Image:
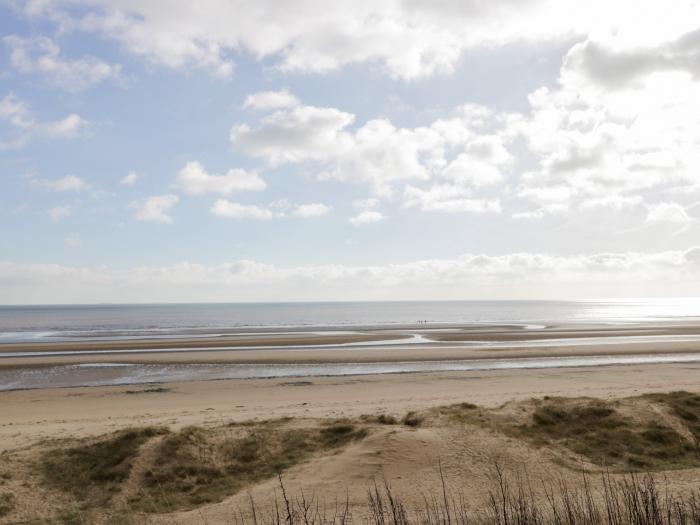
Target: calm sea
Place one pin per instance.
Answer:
(21, 323)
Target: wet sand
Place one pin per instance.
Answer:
(364, 352)
(270, 339)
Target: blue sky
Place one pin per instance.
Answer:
(224, 151)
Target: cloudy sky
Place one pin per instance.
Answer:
(234, 150)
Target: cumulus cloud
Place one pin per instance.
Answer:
(312, 210)
(461, 149)
(515, 275)
(409, 39)
(17, 115)
(295, 135)
(620, 127)
(40, 55)
(275, 210)
(130, 178)
(367, 217)
(155, 209)
(194, 179)
(271, 100)
(449, 199)
(236, 210)
(67, 183)
(668, 212)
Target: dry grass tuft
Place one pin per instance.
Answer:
(413, 419)
(381, 419)
(596, 430)
(93, 472)
(685, 405)
(195, 466)
(7, 503)
(631, 500)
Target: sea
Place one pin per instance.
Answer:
(117, 321)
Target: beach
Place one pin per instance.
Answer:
(508, 362)
(396, 394)
(31, 415)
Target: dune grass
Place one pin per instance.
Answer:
(193, 467)
(92, 472)
(597, 431)
(186, 469)
(631, 500)
(684, 405)
(7, 503)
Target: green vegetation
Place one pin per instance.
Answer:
(412, 419)
(596, 430)
(685, 405)
(381, 419)
(93, 472)
(194, 466)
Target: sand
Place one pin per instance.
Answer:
(405, 456)
(26, 416)
(449, 343)
(30, 415)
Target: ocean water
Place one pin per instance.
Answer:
(27, 323)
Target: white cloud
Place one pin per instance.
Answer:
(14, 111)
(449, 199)
(130, 178)
(67, 183)
(71, 126)
(19, 117)
(408, 38)
(299, 134)
(235, 210)
(614, 202)
(271, 100)
(366, 217)
(194, 179)
(509, 276)
(620, 128)
(312, 210)
(41, 55)
(59, 212)
(155, 209)
(378, 153)
(275, 210)
(668, 212)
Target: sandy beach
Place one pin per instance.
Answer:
(32, 421)
(30, 415)
(96, 409)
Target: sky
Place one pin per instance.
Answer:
(236, 150)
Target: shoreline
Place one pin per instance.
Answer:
(30, 415)
(93, 375)
(331, 335)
